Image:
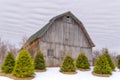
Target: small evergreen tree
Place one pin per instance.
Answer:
(68, 65)
(39, 61)
(118, 61)
(82, 62)
(102, 66)
(8, 63)
(24, 66)
(106, 53)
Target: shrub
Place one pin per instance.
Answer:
(39, 61)
(24, 66)
(8, 64)
(68, 65)
(102, 66)
(106, 53)
(82, 62)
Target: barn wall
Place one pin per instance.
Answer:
(61, 51)
(64, 38)
(66, 33)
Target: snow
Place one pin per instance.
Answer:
(4, 78)
(54, 74)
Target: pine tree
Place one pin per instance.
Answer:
(68, 65)
(102, 66)
(118, 61)
(8, 63)
(82, 62)
(24, 66)
(106, 53)
(39, 61)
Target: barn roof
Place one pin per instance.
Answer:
(41, 32)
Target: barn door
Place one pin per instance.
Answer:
(50, 57)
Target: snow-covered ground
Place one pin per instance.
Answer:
(54, 74)
(4, 78)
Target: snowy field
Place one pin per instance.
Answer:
(4, 78)
(54, 74)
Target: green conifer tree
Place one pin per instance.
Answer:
(82, 62)
(118, 61)
(102, 66)
(8, 64)
(106, 53)
(39, 61)
(24, 66)
(68, 65)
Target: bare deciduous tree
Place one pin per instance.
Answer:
(13, 49)
(24, 39)
(96, 53)
(113, 56)
(5, 46)
(3, 50)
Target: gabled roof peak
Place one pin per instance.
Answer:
(47, 26)
(60, 15)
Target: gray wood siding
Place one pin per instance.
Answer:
(65, 39)
(66, 33)
(61, 51)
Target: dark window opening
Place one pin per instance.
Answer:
(68, 19)
(49, 52)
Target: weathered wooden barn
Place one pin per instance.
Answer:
(63, 35)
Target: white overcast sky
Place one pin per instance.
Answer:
(101, 18)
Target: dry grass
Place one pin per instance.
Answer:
(69, 72)
(114, 70)
(84, 69)
(39, 70)
(15, 78)
(101, 75)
